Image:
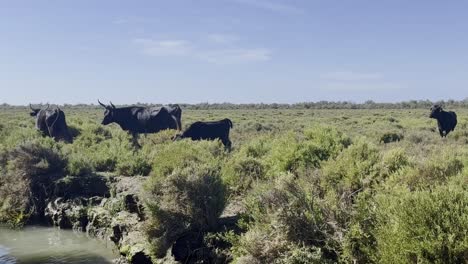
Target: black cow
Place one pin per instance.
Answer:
(137, 119)
(52, 123)
(209, 130)
(446, 121)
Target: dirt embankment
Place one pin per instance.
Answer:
(109, 208)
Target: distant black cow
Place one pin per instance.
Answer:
(209, 130)
(52, 123)
(446, 121)
(137, 119)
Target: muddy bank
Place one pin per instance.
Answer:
(105, 207)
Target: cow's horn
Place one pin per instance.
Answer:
(30, 106)
(103, 105)
(47, 106)
(113, 106)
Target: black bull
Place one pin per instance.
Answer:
(446, 120)
(209, 131)
(137, 119)
(52, 123)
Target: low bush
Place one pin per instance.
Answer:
(281, 219)
(436, 170)
(422, 226)
(184, 153)
(185, 192)
(240, 173)
(79, 164)
(27, 179)
(390, 137)
(134, 164)
(356, 168)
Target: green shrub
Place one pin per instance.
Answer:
(390, 137)
(423, 226)
(240, 173)
(98, 149)
(185, 153)
(27, 179)
(357, 167)
(434, 171)
(281, 218)
(36, 158)
(303, 255)
(394, 160)
(79, 164)
(190, 198)
(135, 164)
(289, 153)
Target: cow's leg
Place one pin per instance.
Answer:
(135, 140)
(441, 132)
(227, 143)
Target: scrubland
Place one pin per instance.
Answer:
(299, 186)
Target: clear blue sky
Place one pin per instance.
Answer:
(239, 51)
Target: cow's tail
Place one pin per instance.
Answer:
(455, 121)
(177, 113)
(176, 122)
(51, 127)
(229, 122)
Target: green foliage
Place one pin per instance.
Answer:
(79, 164)
(35, 158)
(422, 226)
(354, 169)
(185, 153)
(27, 174)
(241, 172)
(131, 165)
(389, 137)
(280, 220)
(394, 161)
(189, 198)
(305, 193)
(435, 171)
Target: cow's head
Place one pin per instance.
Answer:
(108, 114)
(435, 111)
(35, 111)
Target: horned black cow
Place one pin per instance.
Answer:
(52, 123)
(209, 130)
(137, 119)
(446, 120)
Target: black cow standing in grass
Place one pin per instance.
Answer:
(446, 121)
(209, 130)
(137, 119)
(52, 123)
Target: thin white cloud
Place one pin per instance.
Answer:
(221, 55)
(164, 47)
(233, 56)
(223, 38)
(360, 87)
(351, 76)
(271, 6)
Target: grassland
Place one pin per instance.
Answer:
(302, 185)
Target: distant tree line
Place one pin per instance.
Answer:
(412, 104)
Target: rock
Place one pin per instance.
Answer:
(138, 255)
(99, 222)
(121, 260)
(67, 214)
(85, 204)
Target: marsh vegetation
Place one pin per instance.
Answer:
(300, 185)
